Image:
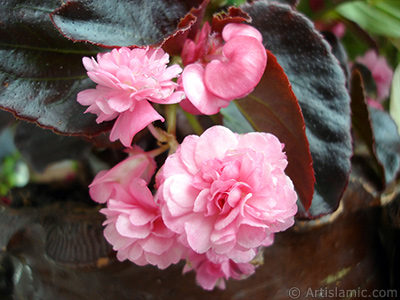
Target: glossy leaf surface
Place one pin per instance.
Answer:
(122, 23)
(319, 85)
(40, 71)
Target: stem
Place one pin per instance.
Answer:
(165, 140)
(157, 134)
(171, 118)
(158, 151)
(198, 129)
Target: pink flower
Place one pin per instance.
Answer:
(381, 72)
(212, 59)
(134, 225)
(136, 230)
(107, 183)
(227, 193)
(212, 270)
(127, 80)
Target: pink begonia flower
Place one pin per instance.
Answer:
(381, 72)
(221, 67)
(107, 182)
(128, 79)
(212, 269)
(134, 225)
(227, 193)
(135, 228)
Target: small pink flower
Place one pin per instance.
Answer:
(136, 230)
(134, 225)
(128, 79)
(107, 183)
(381, 72)
(221, 67)
(212, 270)
(227, 193)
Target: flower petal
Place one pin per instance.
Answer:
(131, 122)
(214, 143)
(127, 229)
(197, 93)
(198, 230)
(233, 30)
(247, 63)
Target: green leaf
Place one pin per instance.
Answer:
(314, 9)
(319, 85)
(381, 18)
(395, 98)
(272, 107)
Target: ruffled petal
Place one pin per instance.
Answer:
(131, 122)
(214, 143)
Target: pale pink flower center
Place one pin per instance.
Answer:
(222, 179)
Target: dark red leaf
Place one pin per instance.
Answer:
(111, 23)
(273, 107)
(319, 85)
(40, 71)
(233, 15)
(187, 28)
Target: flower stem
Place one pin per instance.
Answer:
(165, 139)
(156, 133)
(171, 118)
(198, 129)
(158, 151)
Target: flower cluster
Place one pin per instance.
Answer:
(129, 80)
(219, 196)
